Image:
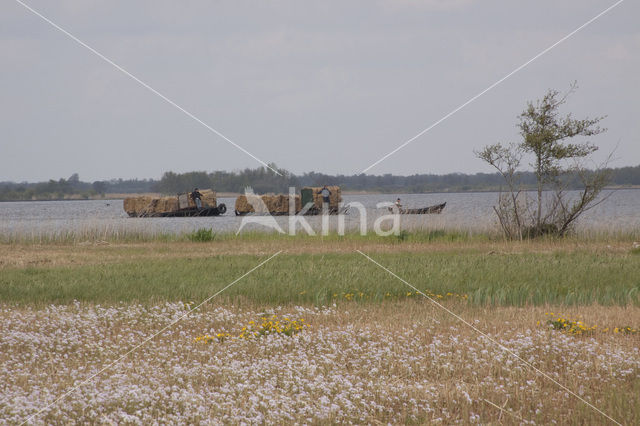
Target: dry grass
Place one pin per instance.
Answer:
(395, 362)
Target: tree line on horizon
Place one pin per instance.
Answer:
(264, 180)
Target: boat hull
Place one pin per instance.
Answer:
(313, 211)
(191, 212)
(435, 209)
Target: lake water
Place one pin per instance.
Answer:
(467, 211)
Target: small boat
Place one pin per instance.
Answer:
(436, 209)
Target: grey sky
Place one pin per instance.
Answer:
(324, 86)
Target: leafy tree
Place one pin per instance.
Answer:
(555, 162)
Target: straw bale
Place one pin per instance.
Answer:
(142, 203)
(242, 205)
(135, 205)
(250, 204)
(272, 204)
(282, 205)
(149, 208)
(129, 205)
(334, 199)
(167, 204)
(209, 198)
(159, 205)
(265, 206)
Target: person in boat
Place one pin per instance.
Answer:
(197, 198)
(398, 204)
(325, 195)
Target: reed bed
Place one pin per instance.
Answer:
(132, 231)
(90, 233)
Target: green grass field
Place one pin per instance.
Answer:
(508, 279)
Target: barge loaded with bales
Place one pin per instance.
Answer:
(309, 202)
(181, 205)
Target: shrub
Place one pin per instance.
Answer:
(557, 166)
(202, 235)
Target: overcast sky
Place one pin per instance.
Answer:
(324, 86)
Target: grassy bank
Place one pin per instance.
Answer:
(375, 351)
(487, 277)
(115, 235)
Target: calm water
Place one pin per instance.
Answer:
(621, 211)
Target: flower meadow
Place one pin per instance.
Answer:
(398, 362)
(269, 325)
(577, 327)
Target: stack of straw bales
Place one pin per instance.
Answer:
(150, 206)
(271, 204)
(244, 206)
(208, 198)
(334, 199)
(134, 205)
(166, 204)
